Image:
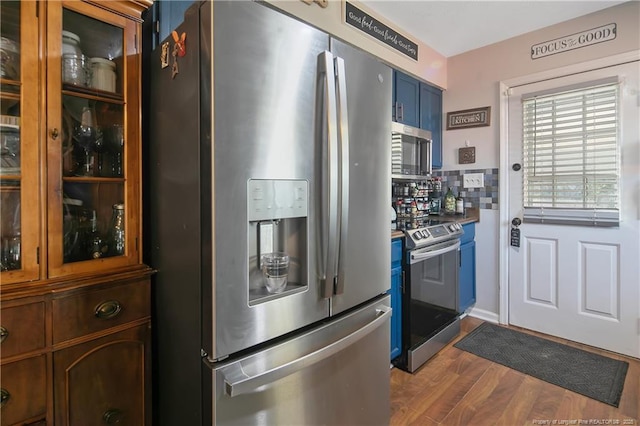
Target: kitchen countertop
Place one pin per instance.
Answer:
(472, 214)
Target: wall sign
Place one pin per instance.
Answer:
(476, 117)
(574, 41)
(376, 29)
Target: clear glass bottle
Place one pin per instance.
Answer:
(449, 202)
(116, 231)
(95, 243)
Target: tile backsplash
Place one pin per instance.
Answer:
(482, 198)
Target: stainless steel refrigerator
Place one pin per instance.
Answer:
(271, 137)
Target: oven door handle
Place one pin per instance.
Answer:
(419, 255)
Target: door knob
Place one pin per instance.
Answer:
(516, 222)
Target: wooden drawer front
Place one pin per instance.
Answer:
(90, 312)
(22, 329)
(24, 390)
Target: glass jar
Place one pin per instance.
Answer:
(9, 59)
(70, 44)
(103, 74)
(449, 202)
(116, 231)
(74, 69)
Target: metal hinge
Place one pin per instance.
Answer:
(158, 26)
(135, 40)
(136, 243)
(38, 255)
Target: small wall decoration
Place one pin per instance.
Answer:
(464, 119)
(467, 155)
(574, 41)
(376, 29)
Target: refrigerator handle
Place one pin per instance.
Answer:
(343, 139)
(238, 382)
(329, 191)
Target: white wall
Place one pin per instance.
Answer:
(431, 65)
(473, 81)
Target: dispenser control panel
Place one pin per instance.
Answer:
(277, 199)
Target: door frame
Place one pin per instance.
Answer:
(503, 180)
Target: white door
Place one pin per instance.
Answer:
(580, 282)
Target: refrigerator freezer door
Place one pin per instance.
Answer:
(264, 127)
(335, 374)
(365, 251)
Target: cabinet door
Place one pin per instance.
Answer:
(406, 99)
(93, 143)
(467, 275)
(19, 147)
(431, 119)
(396, 315)
(103, 381)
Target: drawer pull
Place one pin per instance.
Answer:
(4, 396)
(108, 309)
(4, 333)
(113, 416)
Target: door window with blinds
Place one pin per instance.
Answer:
(571, 155)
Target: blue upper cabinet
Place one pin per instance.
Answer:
(418, 104)
(431, 119)
(406, 99)
(170, 15)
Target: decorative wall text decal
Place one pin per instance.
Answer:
(376, 29)
(574, 41)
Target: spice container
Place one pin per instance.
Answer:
(103, 74)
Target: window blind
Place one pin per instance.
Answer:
(571, 159)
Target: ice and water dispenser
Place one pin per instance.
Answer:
(277, 237)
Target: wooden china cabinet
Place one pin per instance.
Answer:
(74, 293)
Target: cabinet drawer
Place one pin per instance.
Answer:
(24, 391)
(22, 329)
(92, 311)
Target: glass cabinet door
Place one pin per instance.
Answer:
(19, 143)
(93, 121)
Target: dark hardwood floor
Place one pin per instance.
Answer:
(458, 388)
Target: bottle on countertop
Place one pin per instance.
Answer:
(449, 202)
(459, 205)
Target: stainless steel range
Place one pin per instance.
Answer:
(430, 318)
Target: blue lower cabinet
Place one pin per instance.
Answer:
(467, 288)
(396, 297)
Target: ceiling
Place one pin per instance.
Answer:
(455, 26)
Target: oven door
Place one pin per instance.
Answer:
(434, 274)
(432, 319)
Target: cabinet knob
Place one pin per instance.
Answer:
(55, 133)
(113, 416)
(4, 396)
(4, 333)
(108, 309)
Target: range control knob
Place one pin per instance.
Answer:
(452, 228)
(417, 235)
(425, 233)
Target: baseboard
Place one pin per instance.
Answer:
(485, 315)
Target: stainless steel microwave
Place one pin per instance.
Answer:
(410, 152)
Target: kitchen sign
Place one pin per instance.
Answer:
(476, 117)
(376, 29)
(574, 41)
